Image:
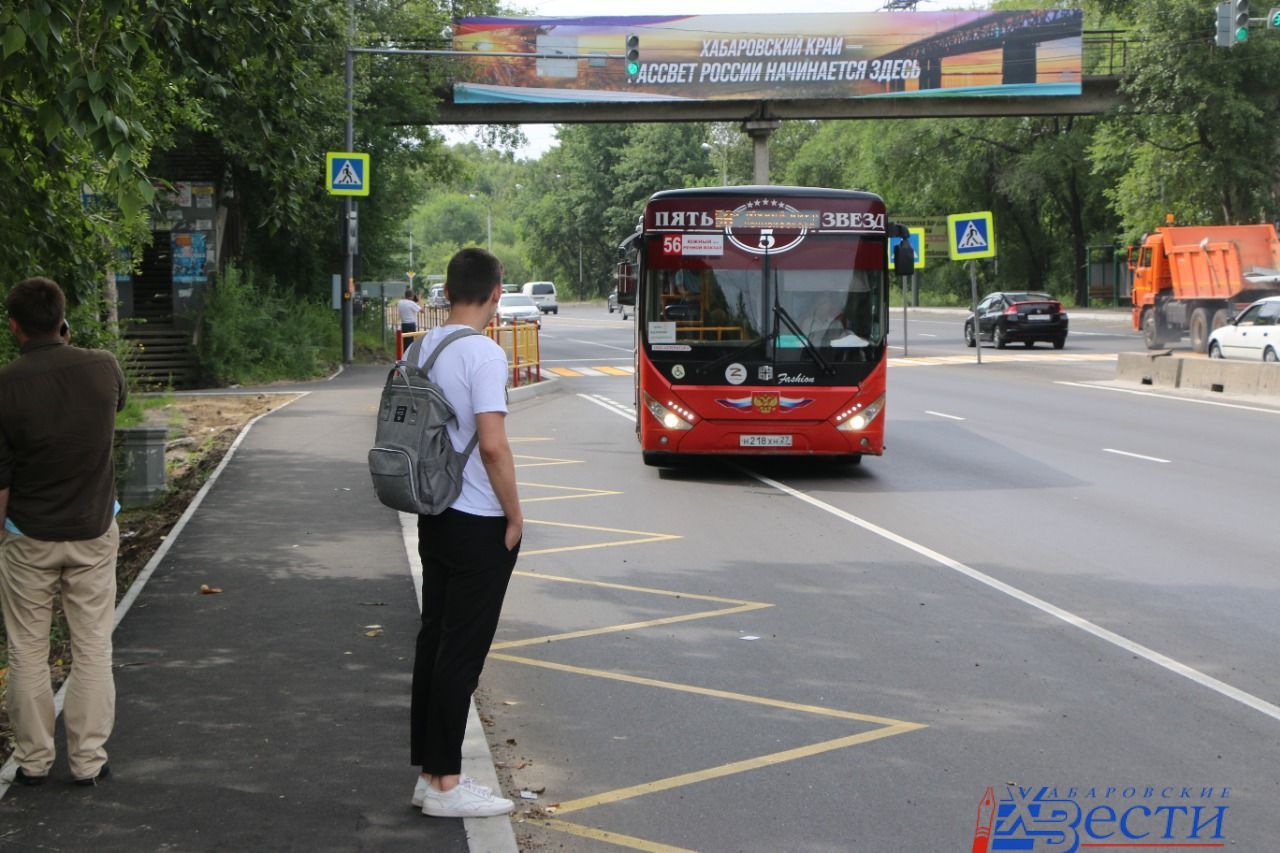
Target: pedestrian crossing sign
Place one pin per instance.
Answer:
(971, 236)
(348, 173)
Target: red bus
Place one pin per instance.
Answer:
(762, 317)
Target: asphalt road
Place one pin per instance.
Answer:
(1044, 582)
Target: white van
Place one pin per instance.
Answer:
(544, 294)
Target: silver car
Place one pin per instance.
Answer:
(517, 306)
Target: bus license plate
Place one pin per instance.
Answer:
(764, 441)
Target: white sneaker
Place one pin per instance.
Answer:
(422, 785)
(464, 801)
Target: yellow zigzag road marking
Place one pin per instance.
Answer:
(582, 493)
(645, 537)
(542, 461)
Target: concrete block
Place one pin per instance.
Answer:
(1227, 377)
(1269, 380)
(1144, 369)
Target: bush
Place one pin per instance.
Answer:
(258, 332)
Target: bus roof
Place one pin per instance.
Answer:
(756, 190)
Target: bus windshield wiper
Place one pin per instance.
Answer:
(732, 354)
(804, 339)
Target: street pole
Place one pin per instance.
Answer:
(904, 314)
(348, 204)
(581, 292)
(973, 284)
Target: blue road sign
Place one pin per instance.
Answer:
(917, 247)
(971, 235)
(348, 173)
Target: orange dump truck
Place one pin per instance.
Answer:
(1190, 280)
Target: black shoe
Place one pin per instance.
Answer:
(102, 776)
(30, 781)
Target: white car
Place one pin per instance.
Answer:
(543, 293)
(517, 306)
(1253, 334)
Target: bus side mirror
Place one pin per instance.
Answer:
(625, 276)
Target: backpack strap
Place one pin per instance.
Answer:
(431, 360)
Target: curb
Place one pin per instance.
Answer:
(548, 385)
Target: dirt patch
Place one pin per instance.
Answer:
(201, 430)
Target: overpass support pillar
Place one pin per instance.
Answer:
(759, 130)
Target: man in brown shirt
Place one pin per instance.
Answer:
(57, 514)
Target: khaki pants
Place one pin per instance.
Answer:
(31, 571)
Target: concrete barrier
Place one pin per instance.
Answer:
(1158, 370)
(1220, 375)
(1269, 380)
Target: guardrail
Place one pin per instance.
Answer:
(519, 341)
(1164, 370)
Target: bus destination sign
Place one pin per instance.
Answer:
(780, 217)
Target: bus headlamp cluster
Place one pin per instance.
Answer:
(671, 416)
(859, 417)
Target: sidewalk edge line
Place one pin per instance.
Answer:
(135, 589)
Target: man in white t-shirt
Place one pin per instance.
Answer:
(468, 551)
(409, 310)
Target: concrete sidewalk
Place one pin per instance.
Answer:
(266, 717)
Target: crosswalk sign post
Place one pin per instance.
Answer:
(347, 173)
(972, 236)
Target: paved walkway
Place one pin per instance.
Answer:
(266, 717)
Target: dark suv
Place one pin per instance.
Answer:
(1018, 316)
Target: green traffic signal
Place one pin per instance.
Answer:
(633, 55)
(1273, 18)
(1242, 34)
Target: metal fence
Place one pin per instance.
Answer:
(519, 341)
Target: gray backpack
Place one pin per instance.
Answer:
(413, 463)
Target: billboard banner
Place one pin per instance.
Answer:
(770, 57)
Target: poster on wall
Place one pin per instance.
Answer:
(762, 57)
(189, 257)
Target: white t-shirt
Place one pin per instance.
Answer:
(408, 311)
(472, 372)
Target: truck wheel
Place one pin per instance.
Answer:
(998, 337)
(1200, 329)
(1151, 329)
(1221, 317)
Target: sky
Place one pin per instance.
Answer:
(542, 136)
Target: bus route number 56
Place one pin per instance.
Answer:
(671, 245)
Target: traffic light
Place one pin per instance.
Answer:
(1225, 37)
(633, 55)
(1273, 18)
(1240, 20)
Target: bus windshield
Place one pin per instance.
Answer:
(831, 288)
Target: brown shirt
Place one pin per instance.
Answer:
(57, 421)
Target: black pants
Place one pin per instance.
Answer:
(465, 570)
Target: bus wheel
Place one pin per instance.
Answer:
(854, 459)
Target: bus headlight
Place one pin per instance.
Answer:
(671, 416)
(859, 417)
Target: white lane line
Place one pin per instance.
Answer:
(943, 415)
(1241, 406)
(571, 360)
(1135, 455)
(598, 344)
(1176, 667)
(927, 335)
(610, 405)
